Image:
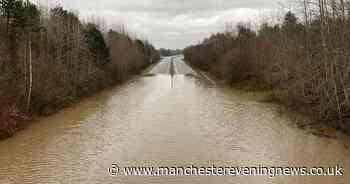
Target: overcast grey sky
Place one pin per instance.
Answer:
(173, 23)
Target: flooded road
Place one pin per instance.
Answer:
(180, 67)
(150, 122)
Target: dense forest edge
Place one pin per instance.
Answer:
(50, 59)
(169, 52)
(304, 60)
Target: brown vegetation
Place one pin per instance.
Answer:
(49, 59)
(304, 60)
(11, 121)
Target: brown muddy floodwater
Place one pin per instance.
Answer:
(151, 122)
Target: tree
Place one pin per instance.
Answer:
(27, 22)
(291, 25)
(7, 10)
(22, 22)
(97, 44)
(245, 32)
(290, 19)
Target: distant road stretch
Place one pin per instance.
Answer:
(181, 68)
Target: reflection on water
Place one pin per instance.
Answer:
(147, 122)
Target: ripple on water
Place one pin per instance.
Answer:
(150, 122)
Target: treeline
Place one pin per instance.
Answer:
(50, 58)
(305, 60)
(169, 52)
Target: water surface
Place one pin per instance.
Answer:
(152, 121)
